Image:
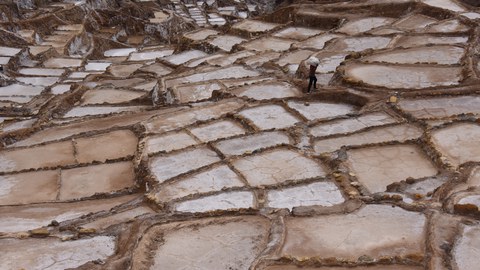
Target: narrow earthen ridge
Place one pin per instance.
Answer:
(181, 134)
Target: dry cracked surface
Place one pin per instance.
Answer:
(178, 134)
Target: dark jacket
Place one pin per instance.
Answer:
(312, 70)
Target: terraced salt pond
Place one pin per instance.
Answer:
(351, 125)
(226, 43)
(215, 179)
(377, 167)
(399, 133)
(239, 241)
(414, 41)
(458, 142)
(271, 43)
(297, 33)
(364, 25)
(179, 134)
(55, 253)
(225, 201)
(274, 164)
(442, 55)
(191, 93)
(270, 116)
(349, 233)
(268, 91)
(254, 27)
(441, 107)
(359, 44)
(404, 76)
(109, 96)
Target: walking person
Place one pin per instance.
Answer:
(313, 62)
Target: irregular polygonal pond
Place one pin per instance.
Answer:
(317, 42)
(119, 52)
(295, 57)
(357, 44)
(443, 55)
(415, 41)
(269, 116)
(320, 110)
(214, 179)
(183, 57)
(465, 252)
(441, 107)
(98, 110)
(157, 69)
(277, 166)
(38, 81)
(109, 96)
(414, 22)
(447, 26)
(297, 33)
(387, 134)
(36, 50)
(425, 187)
(186, 117)
(351, 124)
(375, 231)
(330, 61)
(64, 131)
(118, 218)
(29, 217)
(190, 93)
(229, 59)
(119, 70)
(21, 90)
(226, 42)
(201, 245)
(62, 62)
(471, 15)
(259, 59)
(86, 181)
(445, 4)
(97, 66)
(321, 193)
(377, 167)
(19, 125)
(4, 60)
(217, 130)
(149, 55)
(224, 201)
(201, 34)
(166, 167)
(108, 146)
(218, 74)
(364, 25)
(42, 71)
(254, 27)
(51, 253)
(460, 142)
(52, 155)
(169, 142)
(405, 77)
(8, 51)
(269, 43)
(198, 61)
(251, 143)
(268, 91)
(30, 187)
